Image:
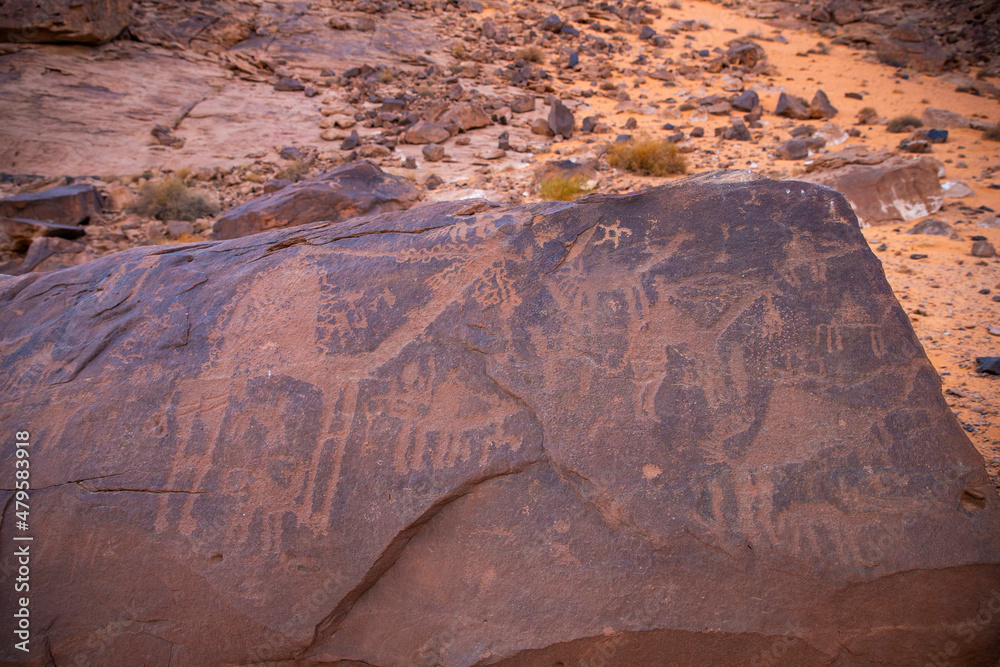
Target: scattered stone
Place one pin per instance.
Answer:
(631, 124)
(869, 116)
(165, 137)
(793, 149)
(351, 142)
(410, 162)
(490, 154)
(956, 190)
(466, 116)
(522, 104)
(830, 134)
(820, 106)
(698, 132)
(932, 117)
(918, 255)
(561, 120)
(289, 85)
(790, 106)
(910, 45)
(983, 249)
(178, 228)
(746, 101)
(290, 153)
(433, 152)
(433, 182)
(551, 23)
(746, 54)
(347, 191)
(915, 144)
(845, 11)
(738, 131)
(932, 227)
(990, 365)
(426, 132)
(63, 205)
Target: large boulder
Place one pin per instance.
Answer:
(886, 192)
(345, 192)
(63, 205)
(83, 21)
(686, 426)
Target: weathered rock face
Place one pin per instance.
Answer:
(84, 21)
(888, 191)
(687, 426)
(345, 192)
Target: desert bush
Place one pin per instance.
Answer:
(295, 170)
(563, 188)
(687, 106)
(903, 123)
(647, 156)
(992, 133)
(675, 4)
(532, 54)
(608, 86)
(171, 199)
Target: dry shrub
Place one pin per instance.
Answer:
(992, 133)
(647, 156)
(532, 54)
(295, 170)
(903, 123)
(561, 188)
(171, 199)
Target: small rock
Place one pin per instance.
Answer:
(956, 189)
(631, 124)
(351, 142)
(522, 104)
(918, 255)
(989, 365)
(426, 132)
(433, 182)
(288, 85)
(932, 227)
(820, 106)
(790, 106)
(748, 100)
(983, 249)
(433, 152)
(290, 153)
(165, 137)
(915, 144)
(551, 23)
(588, 124)
(793, 149)
(936, 136)
(561, 119)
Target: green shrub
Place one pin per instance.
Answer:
(903, 123)
(171, 199)
(647, 157)
(563, 188)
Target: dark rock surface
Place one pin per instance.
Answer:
(561, 120)
(345, 192)
(63, 205)
(686, 426)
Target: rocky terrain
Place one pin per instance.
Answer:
(690, 425)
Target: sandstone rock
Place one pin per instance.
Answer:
(466, 116)
(289, 85)
(956, 190)
(345, 192)
(892, 191)
(165, 137)
(932, 117)
(687, 426)
(426, 132)
(791, 106)
(983, 249)
(83, 21)
(63, 205)
(561, 119)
